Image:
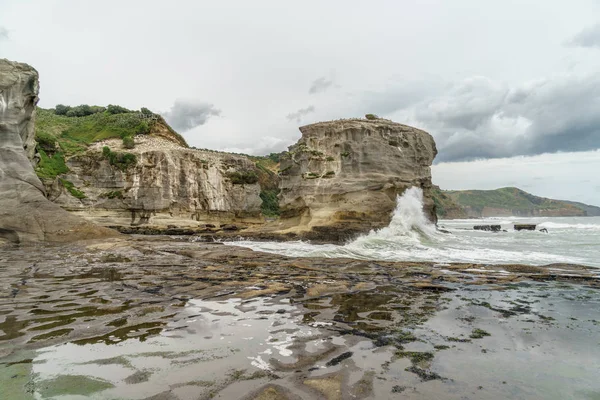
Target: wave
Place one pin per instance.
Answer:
(558, 225)
(410, 236)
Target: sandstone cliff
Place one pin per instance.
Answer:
(343, 177)
(165, 184)
(25, 213)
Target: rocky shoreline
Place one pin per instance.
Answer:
(139, 289)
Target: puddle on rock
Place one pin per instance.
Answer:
(209, 346)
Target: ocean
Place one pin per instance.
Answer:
(412, 237)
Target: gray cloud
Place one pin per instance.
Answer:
(589, 37)
(320, 85)
(479, 118)
(188, 114)
(298, 115)
(3, 33)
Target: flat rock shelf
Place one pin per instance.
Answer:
(165, 318)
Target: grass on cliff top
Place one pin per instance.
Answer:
(74, 134)
(508, 198)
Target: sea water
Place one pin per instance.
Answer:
(412, 237)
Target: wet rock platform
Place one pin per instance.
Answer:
(166, 318)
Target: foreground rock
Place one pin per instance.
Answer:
(170, 319)
(343, 177)
(25, 213)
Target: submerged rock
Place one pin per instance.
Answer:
(343, 177)
(489, 228)
(25, 213)
(525, 227)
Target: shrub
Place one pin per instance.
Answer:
(46, 142)
(72, 189)
(106, 151)
(371, 117)
(142, 128)
(243, 177)
(330, 158)
(119, 160)
(270, 203)
(61, 109)
(114, 109)
(275, 157)
(146, 111)
(128, 142)
(345, 154)
(51, 167)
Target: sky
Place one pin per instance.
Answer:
(510, 89)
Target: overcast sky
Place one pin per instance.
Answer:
(509, 89)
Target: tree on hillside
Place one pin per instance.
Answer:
(61, 109)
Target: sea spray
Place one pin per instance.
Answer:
(409, 225)
(411, 236)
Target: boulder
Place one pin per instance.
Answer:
(490, 228)
(525, 227)
(25, 213)
(343, 177)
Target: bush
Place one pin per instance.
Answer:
(270, 203)
(46, 142)
(146, 111)
(51, 167)
(274, 157)
(119, 160)
(61, 109)
(72, 189)
(243, 177)
(114, 109)
(142, 128)
(128, 142)
(371, 117)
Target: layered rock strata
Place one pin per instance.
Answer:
(25, 213)
(167, 185)
(343, 177)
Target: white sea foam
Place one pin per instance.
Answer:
(411, 236)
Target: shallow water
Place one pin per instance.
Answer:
(410, 236)
(540, 341)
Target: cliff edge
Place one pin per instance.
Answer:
(342, 178)
(25, 213)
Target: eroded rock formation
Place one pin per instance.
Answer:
(168, 185)
(343, 177)
(25, 213)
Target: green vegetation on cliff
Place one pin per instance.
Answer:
(66, 131)
(72, 134)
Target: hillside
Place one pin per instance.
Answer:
(66, 131)
(505, 202)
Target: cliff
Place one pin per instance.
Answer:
(505, 202)
(163, 184)
(25, 213)
(343, 177)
